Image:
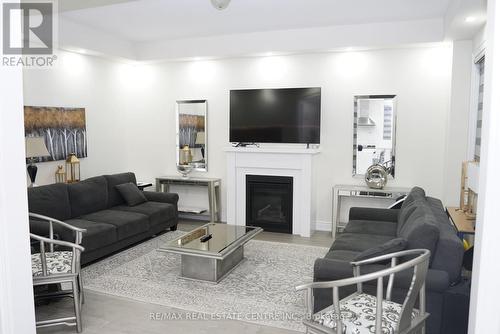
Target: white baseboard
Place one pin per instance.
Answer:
(323, 225)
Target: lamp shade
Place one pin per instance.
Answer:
(473, 176)
(35, 147)
(200, 138)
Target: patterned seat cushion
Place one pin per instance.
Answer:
(359, 314)
(57, 263)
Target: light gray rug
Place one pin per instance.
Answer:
(260, 289)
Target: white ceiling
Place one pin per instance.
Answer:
(156, 30)
(152, 20)
(69, 5)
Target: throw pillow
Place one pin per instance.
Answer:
(131, 194)
(391, 246)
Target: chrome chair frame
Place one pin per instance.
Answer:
(406, 325)
(73, 277)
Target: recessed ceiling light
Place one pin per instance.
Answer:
(220, 4)
(470, 19)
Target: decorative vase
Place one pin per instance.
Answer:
(376, 176)
(184, 170)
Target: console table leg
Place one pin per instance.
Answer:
(217, 200)
(211, 202)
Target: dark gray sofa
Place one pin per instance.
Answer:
(423, 223)
(95, 205)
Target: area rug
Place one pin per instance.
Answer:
(259, 290)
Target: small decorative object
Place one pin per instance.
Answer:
(376, 176)
(186, 156)
(184, 170)
(35, 148)
(72, 169)
(60, 175)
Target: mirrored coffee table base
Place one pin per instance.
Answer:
(211, 259)
(212, 270)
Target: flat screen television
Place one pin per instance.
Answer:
(284, 115)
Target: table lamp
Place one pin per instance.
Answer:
(35, 148)
(200, 140)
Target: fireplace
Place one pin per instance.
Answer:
(269, 202)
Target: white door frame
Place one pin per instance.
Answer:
(17, 313)
(485, 291)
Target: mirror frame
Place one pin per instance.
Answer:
(178, 103)
(393, 97)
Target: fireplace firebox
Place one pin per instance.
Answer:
(269, 202)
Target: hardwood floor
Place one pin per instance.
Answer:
(112, 315)
(105, 314)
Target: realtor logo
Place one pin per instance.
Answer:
(36, 22)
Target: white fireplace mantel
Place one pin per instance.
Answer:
(274, 161)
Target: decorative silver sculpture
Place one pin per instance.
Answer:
(184, 170)
(376, 176)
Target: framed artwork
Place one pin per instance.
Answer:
(63, 129)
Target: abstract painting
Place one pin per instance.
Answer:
(63, 129)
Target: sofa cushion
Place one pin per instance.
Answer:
(435, 203)
(162, 197)
(357, 315)
(51, 200)
(424, 236)
(343, 255)
(131, 193)
(415, 197)
(421, 231)
(57, 263)
(98, 234)
(114, 197)
(358, 242)
(449, 247)
(126, 223)
(420, 214)
(157, 212)
(371, 227)
(391, 246)
(88, 196)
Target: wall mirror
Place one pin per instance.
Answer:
(374, 133)
(191, 144)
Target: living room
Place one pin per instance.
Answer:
(136, 72)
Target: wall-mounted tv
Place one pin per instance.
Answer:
(284, 115)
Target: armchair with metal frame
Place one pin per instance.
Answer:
(362, 313)
(61, 264)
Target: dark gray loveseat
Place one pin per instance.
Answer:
(95, 205)
(423, 223)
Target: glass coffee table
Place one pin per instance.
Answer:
(211, 251)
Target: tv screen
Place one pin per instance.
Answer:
(286, 115)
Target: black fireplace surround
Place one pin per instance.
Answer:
(269, 202)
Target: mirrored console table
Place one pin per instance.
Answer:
(360, 196)
(213, 187)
